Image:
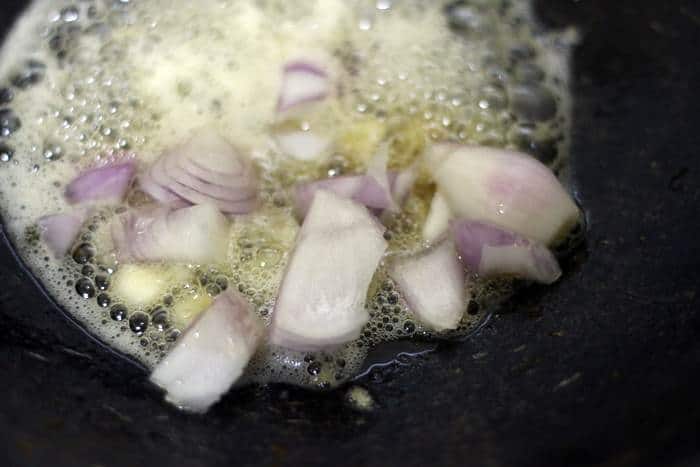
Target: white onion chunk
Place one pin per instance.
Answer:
(321, 302)
(434, 286)
(211, 355)
(505, 188)
(197, 234)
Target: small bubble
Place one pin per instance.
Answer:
(529, 73)
(83, 253)
(104, 300)
(314, 368)
(222, 282)
(32, 74)
(268, 256)
(52, 152)
(522, 52)
(87, 271)
(464, 18)
(102, 282)
(9, 122)
(6, 153)
(533, 103)
(70, 14)
(213, 290)
(160, 320)
(383, 5)
(118, 313)
(138, 322)
(6, 95)
(173, 335)
(409, 327)
(85, 288)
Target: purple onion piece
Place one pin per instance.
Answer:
(505, 188)
(303, 82)
(362, 189)
(59, 231)
(107, 184)
(488, 250)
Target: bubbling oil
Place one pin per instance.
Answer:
(82, 80)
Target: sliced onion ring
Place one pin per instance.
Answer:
(205, 170)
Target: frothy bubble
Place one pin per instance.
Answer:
(79, 81)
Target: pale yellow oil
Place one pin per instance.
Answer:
(89, 77)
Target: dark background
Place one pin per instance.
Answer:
(601, 369)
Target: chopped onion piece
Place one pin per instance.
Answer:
(211, 355)
(401, 184)
(378, 190)
(107, 184)
(438, 221)
(321, 302)
(488, 250)
(59, 231)
(506, 188)
(378, 170)
(362, 189)
(331, 212)
(205, 170)
(438, 153)
(303, 145)
(303, 82)
(198, 234)
(434, 286)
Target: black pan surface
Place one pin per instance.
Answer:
(601, 369)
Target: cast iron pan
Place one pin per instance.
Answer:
(601, 369)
